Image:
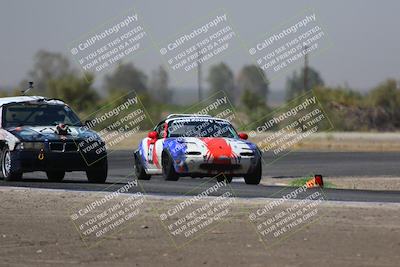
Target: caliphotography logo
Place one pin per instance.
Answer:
(282, 130)
(282, 217)
(207, 41)
(279, 51)
(115, 123)
(111, 212)
(203, 209)
(121, 37)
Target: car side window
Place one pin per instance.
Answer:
(160, 130)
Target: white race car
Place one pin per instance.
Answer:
(197, 146)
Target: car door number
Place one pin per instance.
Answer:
(150, 154)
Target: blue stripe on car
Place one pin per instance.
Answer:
(142, 155)
(177, 150)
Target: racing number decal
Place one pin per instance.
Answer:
(150, 153)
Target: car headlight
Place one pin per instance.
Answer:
(30, 146)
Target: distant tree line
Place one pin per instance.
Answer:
(349, 110)
(377, 110)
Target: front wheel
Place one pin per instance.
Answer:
(98, 172)
(139, 170)
(7, 167)
(168, 168)
(254, 177)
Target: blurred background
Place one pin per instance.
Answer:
(356, 80)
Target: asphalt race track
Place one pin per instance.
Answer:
(295, 164)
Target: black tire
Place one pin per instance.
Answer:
(8, 167)
(55, 176)
(139, 170)
(97, 173)
(168, 168)
(254, 177)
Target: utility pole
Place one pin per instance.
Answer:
(199, 75)
(305, 68)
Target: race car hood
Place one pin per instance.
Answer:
(216, 147)
(49, 133)
(216, 142)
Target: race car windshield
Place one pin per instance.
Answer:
(38, 115)
(204, 128)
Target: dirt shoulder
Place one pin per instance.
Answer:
(351, 142)
(36, 229)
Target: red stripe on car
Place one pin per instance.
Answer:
(218, 149)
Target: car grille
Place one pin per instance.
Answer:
(63, 147)
(219, 167)
(247, 154)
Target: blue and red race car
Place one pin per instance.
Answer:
(197, 146)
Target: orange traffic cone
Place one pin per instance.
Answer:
(315, 182)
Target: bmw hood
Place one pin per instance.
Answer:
(49, 133)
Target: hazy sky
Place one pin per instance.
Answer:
(365, 34)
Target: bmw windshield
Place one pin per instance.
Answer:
(22, 114)
(201, 128)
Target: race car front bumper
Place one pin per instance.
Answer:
(28, 161)
(199, 167)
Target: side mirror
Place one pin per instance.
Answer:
(152, 135)
(243, 136)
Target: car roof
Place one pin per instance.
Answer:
(174, 117)
(21, 99)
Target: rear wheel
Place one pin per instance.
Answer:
(168, 168)
(254, 177)
(98, 172)
(7, 167)
(55, 176)
(139, 169)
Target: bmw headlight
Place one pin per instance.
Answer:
(30, 146)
